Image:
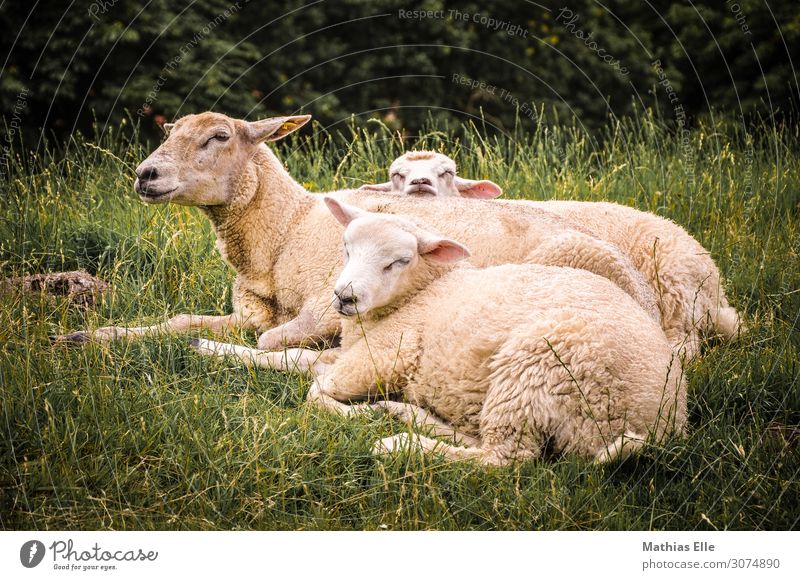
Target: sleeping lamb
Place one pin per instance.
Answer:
(514, 358)
(506, 360)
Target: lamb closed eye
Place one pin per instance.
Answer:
(400, 262)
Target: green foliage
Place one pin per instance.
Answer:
(584, 60)
(148, 435)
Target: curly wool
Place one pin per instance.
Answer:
(520, 358)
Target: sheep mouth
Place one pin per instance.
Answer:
(420, 190)
(148, 194)
(347, 310)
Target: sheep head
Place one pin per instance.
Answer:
(386, 257)
(424, 173)
(205, 158)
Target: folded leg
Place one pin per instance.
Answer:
(301, 360)
(179, 323)
(406, 442)
(415, 416)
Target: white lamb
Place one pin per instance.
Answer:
(514, 358)
(506, 360)
(682, 273)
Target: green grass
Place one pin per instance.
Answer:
(147, 435)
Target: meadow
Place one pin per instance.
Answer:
(147, 435)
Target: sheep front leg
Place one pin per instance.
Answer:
(405, 442)
(301, 360)
(306, 327)
(179, 323)
(319, 396)
(356, 375)
(415, 416)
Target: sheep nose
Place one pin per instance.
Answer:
(146, 174)
(421, 181)
(345, 296)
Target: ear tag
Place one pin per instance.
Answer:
(288, 126)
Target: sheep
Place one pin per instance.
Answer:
(284, 245)
(514, 358)
(687, 281)
(430, 173)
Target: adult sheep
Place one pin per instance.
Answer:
(682, 273)
(513, 358)
(284, 245)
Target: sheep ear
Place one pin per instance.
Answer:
(275, 128)
(477, 189)
(376, 186)
(167, 128)
(342, 212)
(442, 250)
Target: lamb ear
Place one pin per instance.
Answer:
(376, 186)
(442, 250)
(342, 212)
(275, 128)
(477, 189)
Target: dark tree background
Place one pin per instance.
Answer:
(69, 64)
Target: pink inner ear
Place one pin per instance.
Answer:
(338, 211)
(446, 251)
(478, 189)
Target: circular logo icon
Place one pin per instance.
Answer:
(31, 553)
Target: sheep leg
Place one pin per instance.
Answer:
(356, 376)
(299, 360)
(621, 448)
(319, 397)
(179, 323)
(404, 441)
(415, 416)
(304, 328)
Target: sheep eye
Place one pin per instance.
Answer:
(395, 174)
(400, 262)
(447, 172)
(217, 137)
